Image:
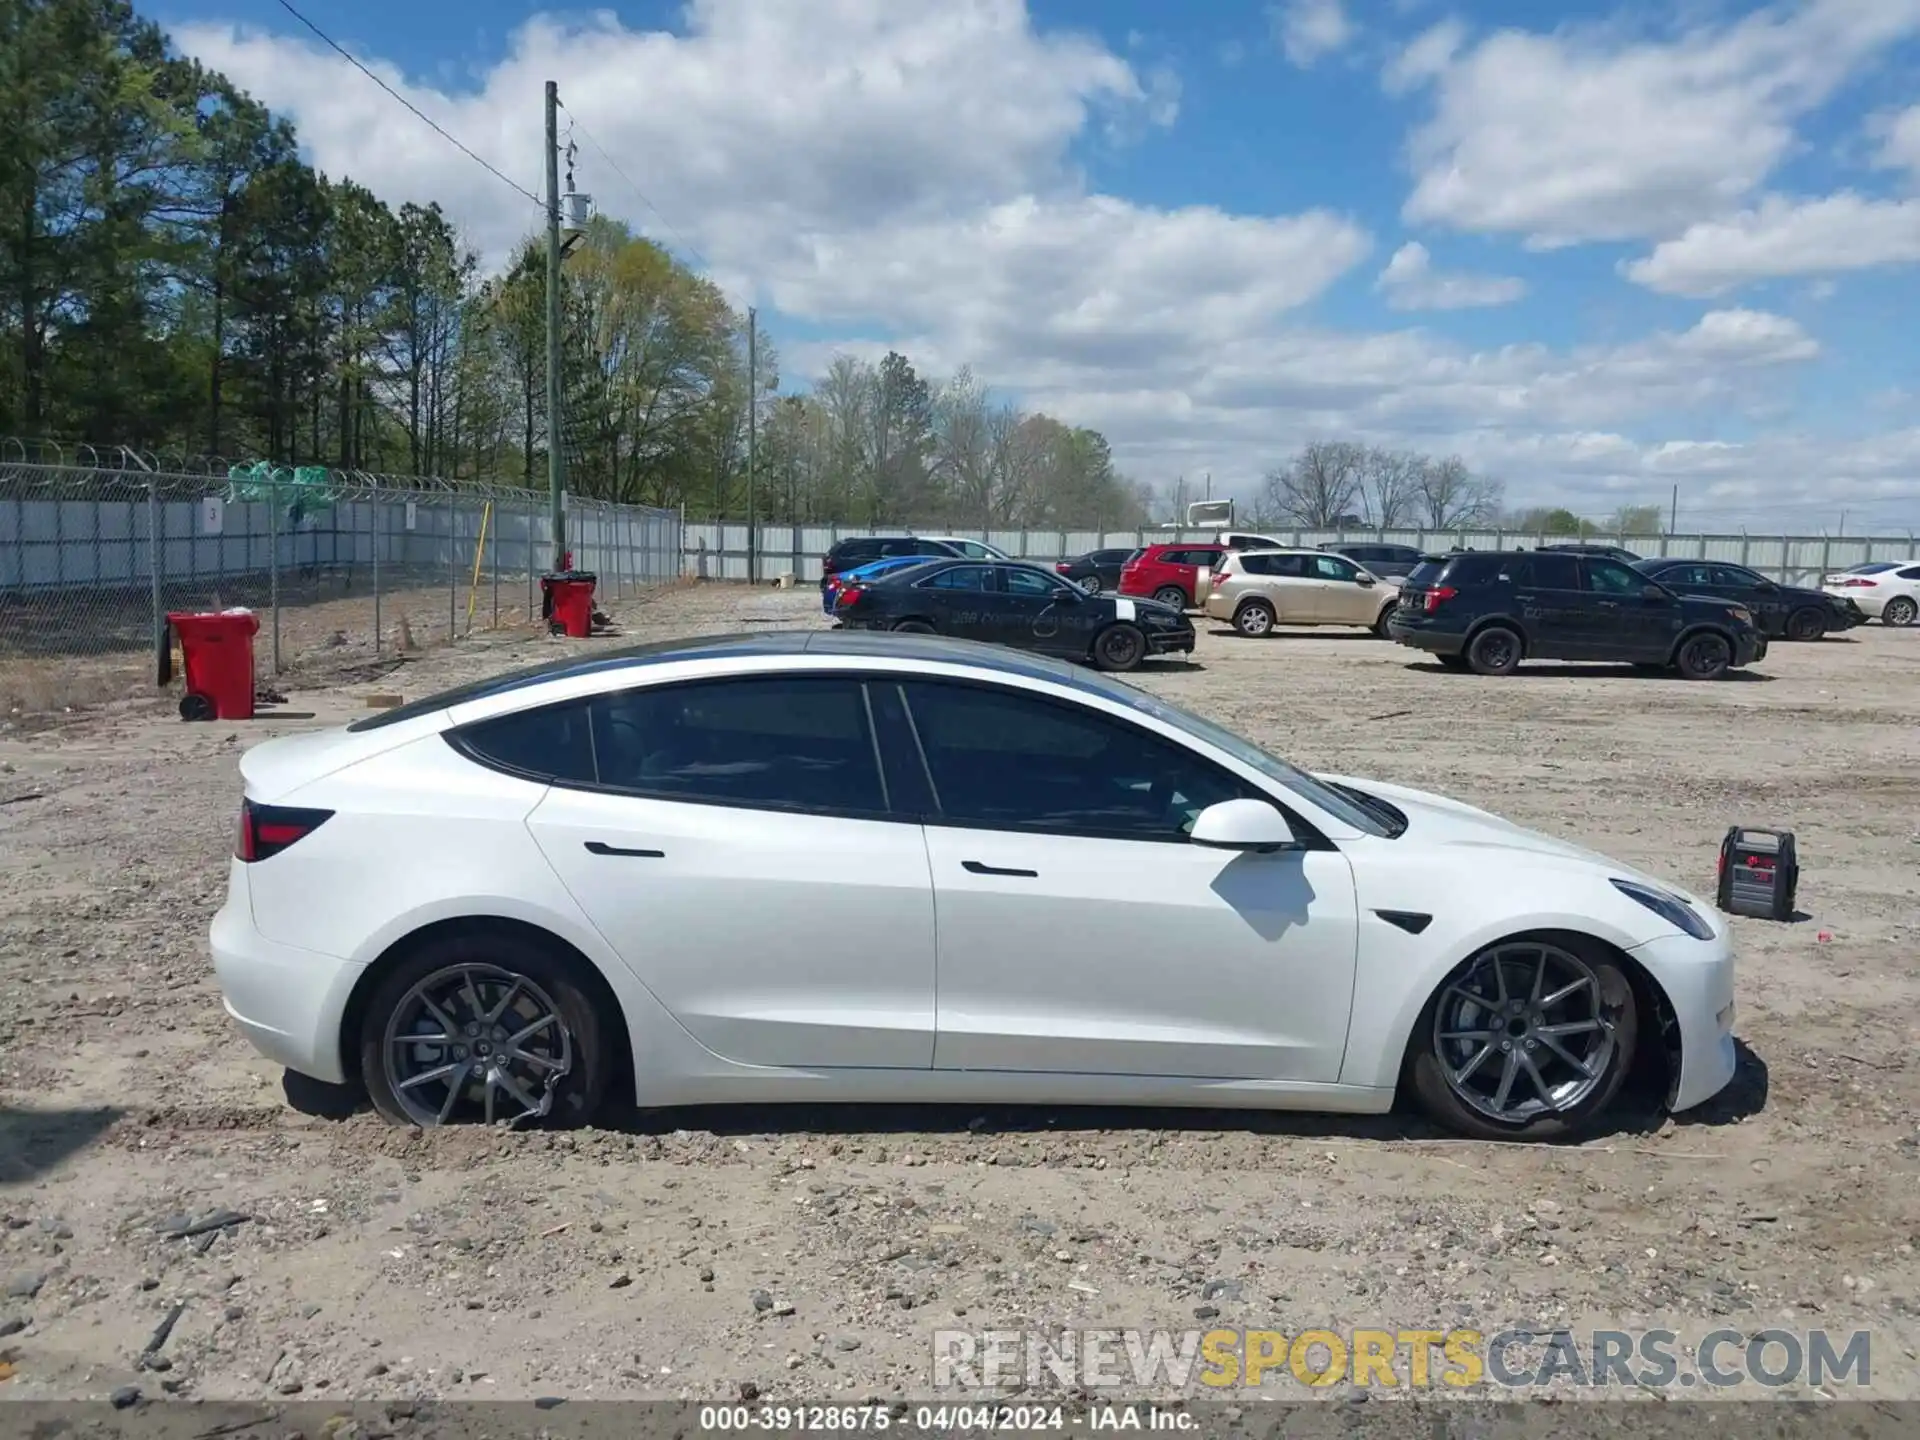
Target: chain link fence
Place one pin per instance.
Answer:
(341, 566)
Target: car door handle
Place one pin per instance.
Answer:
(980, 867)
(600, 847)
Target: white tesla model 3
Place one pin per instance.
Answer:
(843, 866)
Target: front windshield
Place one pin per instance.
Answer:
(1316, 792)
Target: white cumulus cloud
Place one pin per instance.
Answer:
(1310, 30)
(1411, 283)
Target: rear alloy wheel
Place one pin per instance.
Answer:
(1703, 657)
(1494, 651)
(1384, 620)
(1119, 647)
(483, 1028)
(1091, 584)
(1807, 624)
(1254, 619)
(1530, 1039)
(913, 627)
(1900, 611)
(1171, 595)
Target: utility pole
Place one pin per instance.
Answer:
(1673, 513)
(753, 430)
(556, 421)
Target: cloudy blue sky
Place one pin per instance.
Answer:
(1597, 249)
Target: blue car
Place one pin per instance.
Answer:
(830, 591)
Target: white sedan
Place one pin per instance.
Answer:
(839, 866)
(1886, 589)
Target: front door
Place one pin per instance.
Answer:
(1753, 590)
(1080, 932)
(960, 600)
(1339, 598)
(1634, 619)
(1042, 613)
(740, 859)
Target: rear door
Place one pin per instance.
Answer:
(1561, 621)
(961, 600)
(1284, 581)
(740, 855)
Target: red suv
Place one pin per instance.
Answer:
(1169, 573)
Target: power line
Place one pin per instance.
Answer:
(641, 195)
(341, 51)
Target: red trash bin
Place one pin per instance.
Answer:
(566, 602)
(216, 652)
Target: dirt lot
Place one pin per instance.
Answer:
(626, 1261)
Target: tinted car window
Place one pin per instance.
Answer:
(1610, 577)
(1293, 565)
(1733, 575)
(1555, 572)
(1192, 557)
(552, 743)
(1912, 572)
(1113, 557)
(1427, 572)
(847, 550)
(1007, 761)
(1030, 582)
(782, 743)
(1683, 575)
(960, 577)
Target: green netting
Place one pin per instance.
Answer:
(303, 488)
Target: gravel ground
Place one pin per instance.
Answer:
(811, 1252)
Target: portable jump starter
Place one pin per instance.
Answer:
(1759, 872)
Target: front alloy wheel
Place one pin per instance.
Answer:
(1529, 1039)
(1704, 657)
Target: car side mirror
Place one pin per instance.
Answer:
(1653, 592)
(1243, 825)
(1364, 578)
(1766, 587)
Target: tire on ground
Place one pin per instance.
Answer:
(1496, 650)
(1254, 618)
(1119, 647)
(1422, 1073)
(577, 1097)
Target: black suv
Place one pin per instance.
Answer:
(1487, 611)
(858, 550)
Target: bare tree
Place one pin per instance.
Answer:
(1390, 487)
(1451, 495)
(1321, 484)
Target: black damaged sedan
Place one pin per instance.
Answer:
(1017, 604)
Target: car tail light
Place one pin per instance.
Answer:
(1859, 583)
(1438, 596)
(851, 595)
(1061, 567)
(266, 830)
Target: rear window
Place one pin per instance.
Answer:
(1427, 572)
(846, 550)
(553, 743)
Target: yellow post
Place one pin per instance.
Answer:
(479, 550)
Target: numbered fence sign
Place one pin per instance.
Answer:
(213, 515)
(413, 514)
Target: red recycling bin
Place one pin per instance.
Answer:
(566, 602)
(216, 652)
